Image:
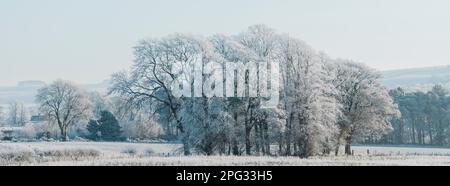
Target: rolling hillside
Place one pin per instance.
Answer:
(414, 79)
(410, 79)
(25, 91)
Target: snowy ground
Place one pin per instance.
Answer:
(162, 154)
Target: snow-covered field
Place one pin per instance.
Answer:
(162, 154)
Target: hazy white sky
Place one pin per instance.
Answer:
(87, 40)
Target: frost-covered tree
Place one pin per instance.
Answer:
(437, 111)
(141, 122)
(142, 127)
(209, 124)
(13, 114)
(308, 99)
(99, 103)
(233, 51)
(424, 119)
(17, 114)
(262, 42)
(65, 103)
(366, 105)
(175, 82)
(398, 124)
(156, 68)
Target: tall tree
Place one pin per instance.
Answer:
(232, 51)
(323, 102)
(366, 105)
(106, 128)
(262, 42)
(100, 103)
(18, 114)
(399, 124)
(156, 68)
(64, 103)
(308, 99)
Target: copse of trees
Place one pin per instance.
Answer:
(323, 103)
(17, 114)
(76, 113)
(425, 118)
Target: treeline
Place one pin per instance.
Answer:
(17, 115)
(424, 118)
(316, 104)
(66, 111)
(323, 103)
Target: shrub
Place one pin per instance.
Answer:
(149, 152)
(130, 151)
(13, 157)
(17, 156)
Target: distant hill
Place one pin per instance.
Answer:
(418, 79)
(26, 91)
(413, 79)
(31, 84)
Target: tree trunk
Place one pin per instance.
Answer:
(430, 133)
(247, 141)
(423, 137)
(400, 133)
(336, 150)
(236, 134)
(440, 136)
(310, 149)
(248, 130)
(280, 145)
(348, 148)
(419, 136)
(257, 139)
(64, 135)
(345, 137)
(339, 142)
(348, 142)
(295, 148)
(413, 132)
(186, 147)
(262, 142)
(184, 139)
(266, 139)
(288, 134)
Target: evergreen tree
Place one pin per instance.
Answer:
(107, 128)
(94, 130)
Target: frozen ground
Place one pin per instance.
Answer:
(264, 161)
(160, 154)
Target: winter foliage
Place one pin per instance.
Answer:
(255, 93)
(65, 104)
(106, 128)
(424, 120)
(322, 103)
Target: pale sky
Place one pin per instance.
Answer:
(87, 40)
